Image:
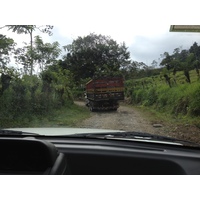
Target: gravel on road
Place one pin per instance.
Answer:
(127, 118)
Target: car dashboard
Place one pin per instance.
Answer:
(49, 155)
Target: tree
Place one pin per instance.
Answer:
(197, 67)
(23, 57)
(154, 63)
(95, 55)
(167, 61)
(6, 47)
(58, 80)
(7, 74)
(45, 53)
(42, 54)
(130, 71)
(187, 65)
(28, 29)
(195, 49)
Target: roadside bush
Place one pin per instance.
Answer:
(29, 97)
(140, 96)
(183, 99)
(194, 99)
(151, 97)
(162, 97)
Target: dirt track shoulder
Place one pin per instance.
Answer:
(129, 119)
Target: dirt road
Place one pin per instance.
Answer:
(125, 118)
(129, 119)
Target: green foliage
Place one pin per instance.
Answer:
(6, 47)
(30, 97)
(182, 60)
(140, 96)
(45, 54)
(135, 70)
(181, 99)
(194, 99)
(67, 116)
(28, 29)
(40, 54)
(152, 97)
(58, 80)
(95, 55)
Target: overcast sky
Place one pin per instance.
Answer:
(143, 26)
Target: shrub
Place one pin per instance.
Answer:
(180, 99)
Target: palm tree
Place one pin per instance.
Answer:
(28, 29)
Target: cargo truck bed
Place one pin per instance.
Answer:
(104, 93)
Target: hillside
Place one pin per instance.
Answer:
(174, 97)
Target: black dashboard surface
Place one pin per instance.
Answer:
(96, 157)
(83, 156)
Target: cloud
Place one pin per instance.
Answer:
(149, 48)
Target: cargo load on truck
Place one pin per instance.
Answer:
(104, 93)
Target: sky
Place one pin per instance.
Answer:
(143, 25)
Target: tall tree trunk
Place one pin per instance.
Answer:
(31, 36)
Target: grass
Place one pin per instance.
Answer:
(178, 104)
(67, 116)
(156, 116)
(180, 127)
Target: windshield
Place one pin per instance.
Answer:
(111, 73)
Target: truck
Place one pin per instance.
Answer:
(104, 93)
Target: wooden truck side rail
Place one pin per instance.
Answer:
(104, 93)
